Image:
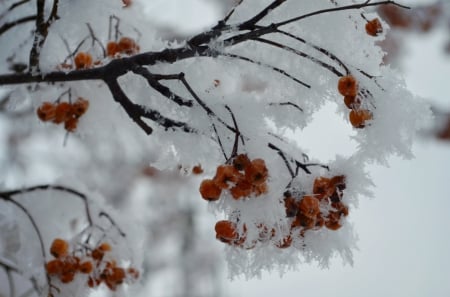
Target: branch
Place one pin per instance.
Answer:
(341, 8)
(135, 111)
(276, 69)
(301, 54)
(248, 25)
(152, 80)
(7, 26)
(56, 188)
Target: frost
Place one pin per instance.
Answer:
(234, 94)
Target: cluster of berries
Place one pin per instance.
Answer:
(66, 265)
(84, 60)
(374, 27)
(348, 87)
(323, 207)
(242, 178)
(63, 112)
(125, 46)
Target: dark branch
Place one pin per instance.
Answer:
(152, 80)
(283, 156)
(136, 112)
(341, 8)
(276, 69)
(301, 54)
(7, 26)
(288, 104)
(248, 25)
(56, 188)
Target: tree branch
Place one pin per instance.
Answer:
(6, 26)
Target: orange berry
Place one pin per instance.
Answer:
(112, 48)
(85, 267)
(241, 162)
(71, 124)
(374, 27)
(127, 3)
(359, 117)
(309, 207)
(117, 275)
(260, 189)
(105, 247)
(97, 254)
(226, 174)
(83, 60)
(80, 106)
(62, 113)
(59, 248)
(321, 188)
(290, 204)
(332, 220)
(128, 46)
(242, 189)
(348, 86)
(256, 172)
(67, 277)
(209, 190)
(54, 267)
(197, 169)
(352, 102)
(46, 112)
(226, 231)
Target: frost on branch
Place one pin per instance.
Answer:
(228, 98)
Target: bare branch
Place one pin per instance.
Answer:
(340, 8)
(301, 54)
(288, 104)
(163, 90)
(276, 69)
(6, 26)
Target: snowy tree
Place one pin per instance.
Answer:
(109, 127)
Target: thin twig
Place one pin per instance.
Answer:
(301, 54)
(152, 80)
(288, 104)
(283, 156)
(6, 26)
(276, 69)
(229, 14)
(340, 8)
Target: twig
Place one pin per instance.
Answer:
(276, 69)
(152, 80)
(283, 156)
(104, 214)
(6, 26)
(288, 104)
(340, 8)
(301, 54)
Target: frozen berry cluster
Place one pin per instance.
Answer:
(63, 112)
(95, 262)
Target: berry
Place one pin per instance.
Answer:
(374, 27)
(348, 86)
(359, 117)
(59, 248)
(46, 112)
(83, 60)
(209, 190)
